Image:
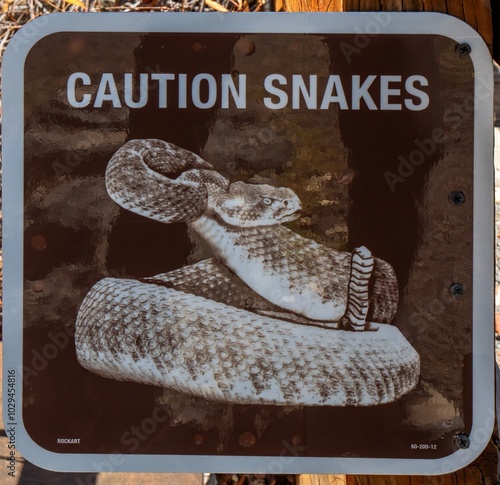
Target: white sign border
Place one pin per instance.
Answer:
(329, 23)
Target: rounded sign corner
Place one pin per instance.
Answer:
(458, 460)
(36, 454)
(29, 35)
(470, 42)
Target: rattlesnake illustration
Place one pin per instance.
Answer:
(268, 320)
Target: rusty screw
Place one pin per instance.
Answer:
(38, 242)
(463, 50)
(457, 197)
(38, 286)
(247, 439)
(462, 441)
(245, 46)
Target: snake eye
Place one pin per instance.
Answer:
(267, 201)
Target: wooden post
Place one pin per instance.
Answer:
(478, 14)
(495, 10)
(313, 5)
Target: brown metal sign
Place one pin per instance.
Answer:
(259, 237)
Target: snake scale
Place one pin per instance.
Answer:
(272, 318)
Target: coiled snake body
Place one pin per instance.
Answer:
(254, 323)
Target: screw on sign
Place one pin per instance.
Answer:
(463, 50)
(462, 441)
(456, 289)
(457, 197)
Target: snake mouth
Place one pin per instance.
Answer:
(290, 217)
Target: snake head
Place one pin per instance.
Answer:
(247, 205)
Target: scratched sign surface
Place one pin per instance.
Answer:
(249, 240)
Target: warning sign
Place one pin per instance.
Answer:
(263, 237)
